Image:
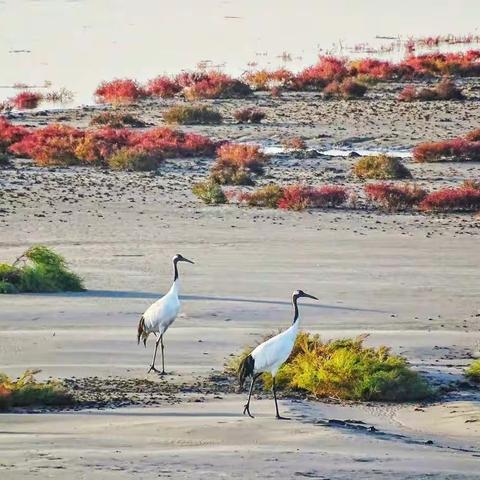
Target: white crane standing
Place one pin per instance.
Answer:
(270, 355)
(161, 314)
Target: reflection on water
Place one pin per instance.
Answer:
(77, 43)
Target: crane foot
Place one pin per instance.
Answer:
(246, 409)
(279, 417)
(154, 369)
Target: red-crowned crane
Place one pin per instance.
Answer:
(270, 355)
(161, 314)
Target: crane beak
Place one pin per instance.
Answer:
(309, 296)
(187, 260)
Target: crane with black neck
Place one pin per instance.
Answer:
(161, 314)
(270, 355)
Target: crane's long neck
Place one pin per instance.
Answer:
(175, 271)
(295, 316)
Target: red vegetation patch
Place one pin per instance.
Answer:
(300, 197)
(346, 89)
(174, 143)
(10, 134)
(294, 143)
(452, 200)
(52, 145)
(464, 64)
(458, 149)
(212, 85)
(26, 100)
(445, 90)
(393, 197)
(473, 136)
(266, 80)
(370, 67)
(163, 87)
(97, 146)
(120, 91)
(63, 145)
(326, 70)
(249, 115)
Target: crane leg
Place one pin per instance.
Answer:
(163, 356)
(152, 366)
(279, 417)
(246, 408)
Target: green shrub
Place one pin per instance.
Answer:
(473, 372)
(42, 271)
(210, 192)
(26, 391)
(267, 196)
(116, 120)
(346, 369)
(130, 158)
(192, 115)
(380, 167)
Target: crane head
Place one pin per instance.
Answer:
(300, 293)
(181, 258)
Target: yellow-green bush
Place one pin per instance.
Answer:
(346, 369)
(210, 192)
(135, 159)
(380, 167)
(26, 391)
(192, 115)
(39, 269)
(473, 371)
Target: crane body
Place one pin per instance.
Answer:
(270, 355)
(160, 315)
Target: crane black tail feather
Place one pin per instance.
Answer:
(141, 333)
(245, 369)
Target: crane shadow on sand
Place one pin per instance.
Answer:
(126, 294)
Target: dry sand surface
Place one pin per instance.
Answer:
(409, 280)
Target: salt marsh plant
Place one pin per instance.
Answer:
(26, 100)
(116, 120)
(392, 197)
(135, 159)
(345, 369)
(299, 197)
(249, 115)
(380, 167)
(210, 192)
(120, 91)
(473, 371)
(26, 391)
(444, 90)
(39, 269)
(459, 199)
(192, 115)
(236, 162)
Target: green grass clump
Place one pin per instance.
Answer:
(134, 159)
(473, 371)
(210, 192)
(116, 120)
(39, 269)
(192, 115)
(380, 167)
(346, 369)
(26, 391)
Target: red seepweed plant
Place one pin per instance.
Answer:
(163, 87)
(54, 144)
(444, 90)
(249, 115)
(213, 84)
(26, 100)
(120, 91)
(464, 198)
(457, 149)
(97, 146)
(299, 197)
(392, 197)
(10, 134)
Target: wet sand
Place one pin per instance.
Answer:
(409, 280)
